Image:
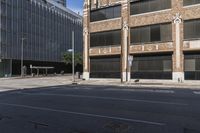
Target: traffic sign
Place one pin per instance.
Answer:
(130, 60)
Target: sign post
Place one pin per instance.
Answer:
(130, 62)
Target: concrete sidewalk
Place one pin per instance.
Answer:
(21, 83)
(145, 83)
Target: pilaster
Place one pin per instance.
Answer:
(86, 39)
(125, 41)
(177, 28)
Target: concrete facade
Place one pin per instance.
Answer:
(176, 15)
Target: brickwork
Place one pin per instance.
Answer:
(113, 50)
(106, 25)
(177, 46)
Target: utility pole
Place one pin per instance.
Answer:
(73, 62)
(22, 57)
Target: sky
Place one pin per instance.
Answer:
(75, 5)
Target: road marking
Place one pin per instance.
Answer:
(107, 98)
(196, 92)
(143, 90)
(82, 114)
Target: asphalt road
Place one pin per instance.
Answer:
(99, 109)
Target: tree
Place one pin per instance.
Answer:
(78, 58)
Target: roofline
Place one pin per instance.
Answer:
(64, 8)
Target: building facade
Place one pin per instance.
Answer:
(38, 30)
(162, 37)
(62, 2)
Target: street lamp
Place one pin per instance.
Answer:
(22, 44)
(73, 61)
(22, 57)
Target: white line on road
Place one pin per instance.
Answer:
(142, 90)
(82, 114)
(107, 98)
(196, 92)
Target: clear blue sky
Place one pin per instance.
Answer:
(75, 5)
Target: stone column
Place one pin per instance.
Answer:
(178, 56)
(125, 71)
(86, 39)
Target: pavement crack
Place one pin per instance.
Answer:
(38, 124)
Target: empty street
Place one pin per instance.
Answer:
(99, 109)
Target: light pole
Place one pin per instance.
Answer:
(22, 57)
(70, 50)
(22, 45)
(73, 59)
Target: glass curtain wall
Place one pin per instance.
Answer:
(46, 29)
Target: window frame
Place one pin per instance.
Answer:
(113, 14)
(149, 6)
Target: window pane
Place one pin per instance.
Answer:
(152, 33)
(190, 65)
(105, 13)
(145, 34)
(167, 65)
(117, 11)
(155, 33)
(166, 32)
(190, 2)
(135, 35)
(192, 29)
(143, 6)
(105, 38)
(105, 67)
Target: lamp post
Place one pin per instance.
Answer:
(22, 57)
(22, 44)
(73, 59)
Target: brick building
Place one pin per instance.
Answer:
(163, 36)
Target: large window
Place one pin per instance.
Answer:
(152, 33)
(190, 2)
(152, 67)
(105, 67)
(192, 66)
(192, 29)
(144, 6)
(105, 13)
(105, 38)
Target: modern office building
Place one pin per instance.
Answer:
(162, 36)
(62, 2)
(40, 31)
